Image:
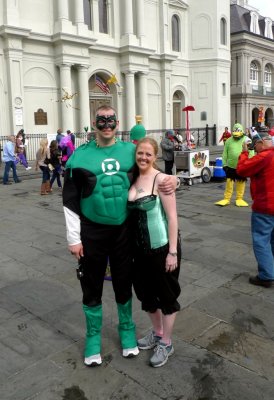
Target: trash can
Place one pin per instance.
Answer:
(218, 169)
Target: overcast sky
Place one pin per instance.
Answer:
(265, 7)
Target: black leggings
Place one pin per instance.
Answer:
(101, 242)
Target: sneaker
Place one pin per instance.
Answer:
(28, 168)
(149, 341)
(19, 181)
(255, 280)
(7, 183)
(161, 354)
(93, 361)
(129, 353)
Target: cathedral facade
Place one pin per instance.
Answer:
(61, 59)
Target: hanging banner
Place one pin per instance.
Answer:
(261, 114)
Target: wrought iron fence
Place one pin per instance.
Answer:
(203, 137)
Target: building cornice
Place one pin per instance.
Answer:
(178, 4)
(62, 37)
(9, 30)
(136, 50)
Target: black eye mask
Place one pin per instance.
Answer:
(103, 122)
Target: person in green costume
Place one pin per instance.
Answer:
(232, 150)
(96, 183)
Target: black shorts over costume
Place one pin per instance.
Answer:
(231, 173)
(154, 287)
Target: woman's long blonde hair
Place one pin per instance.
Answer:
(43, 146)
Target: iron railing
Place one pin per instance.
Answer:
(263, 91)
(205, 136)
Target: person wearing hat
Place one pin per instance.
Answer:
(260, 169)
(232, 150)
(167, 145)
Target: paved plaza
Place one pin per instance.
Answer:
(223, 336)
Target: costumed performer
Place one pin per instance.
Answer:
(231, 152)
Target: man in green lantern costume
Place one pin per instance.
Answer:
(96, 184)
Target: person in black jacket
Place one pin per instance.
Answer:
(55, 164)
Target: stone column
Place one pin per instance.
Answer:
(95, 16)
(241, 68)
(130, 99)
(11, 13)
(63, 9)
(82, 29)
(143, 99)
(128, 17)
(62, 24)
(84, 118)
(128, 36)
(246, 69)
(140, 15)
(65, 87)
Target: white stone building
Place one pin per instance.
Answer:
(252, 68)
(165, 54)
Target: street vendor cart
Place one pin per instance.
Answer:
(193, 165)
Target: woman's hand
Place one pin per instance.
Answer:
(171, 262)
(76, 250)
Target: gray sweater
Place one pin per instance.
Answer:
(167, 149)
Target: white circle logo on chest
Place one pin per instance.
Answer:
(110, 166)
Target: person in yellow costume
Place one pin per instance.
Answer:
(232, 150)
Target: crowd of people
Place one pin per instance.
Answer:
(120, 212)
(51, 159)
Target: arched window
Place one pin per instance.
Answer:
(223, 31)
(254, 73)
(175, 23)
(87, 14)
(267, 76)
(103, 16)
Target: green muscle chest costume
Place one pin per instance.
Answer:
(102, 176)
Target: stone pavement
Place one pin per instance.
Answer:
(223, 336)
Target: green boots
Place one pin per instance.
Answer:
(94, 317)
(126, 329)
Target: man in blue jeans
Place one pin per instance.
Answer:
(260, 169)
(9, 158)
